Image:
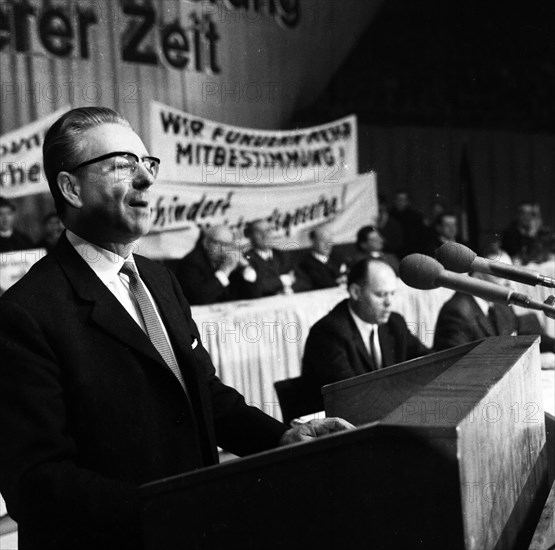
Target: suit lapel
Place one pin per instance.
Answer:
(358, 343)
(483, 321)
(387, 346)
(105, 310)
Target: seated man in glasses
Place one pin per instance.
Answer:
(104, 382)
(215, 271)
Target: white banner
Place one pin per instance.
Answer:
(196, 149)
(292, 210)
(21, 171)
(13, 265)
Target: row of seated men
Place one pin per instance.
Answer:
(217, 270)
(362, 333)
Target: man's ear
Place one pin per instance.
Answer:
(354, 291)
(70, 188)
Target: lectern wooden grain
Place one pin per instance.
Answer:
(455, 459)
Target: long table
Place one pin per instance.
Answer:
(257, 342)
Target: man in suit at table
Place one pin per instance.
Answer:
(361, 334)
(319, 267)
(274, 271)
(104, 383)
(465, 318)
(214, 270)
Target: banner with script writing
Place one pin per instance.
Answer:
(180, 210)
(21, 170)
(196, 149)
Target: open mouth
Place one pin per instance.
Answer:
(138, 203)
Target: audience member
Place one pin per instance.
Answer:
(53, 228)
(465, 318)
(522, 239)
(274, 270)
(104, 382)
(370, 244)
(437, 207)
(390, 229)
(11, 238)
(318, 266)
(362, 333)
(444, 230)
(410, 220)
(214, 271)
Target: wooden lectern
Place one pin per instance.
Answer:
(450, 453)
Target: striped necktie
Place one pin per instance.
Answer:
(151, 320)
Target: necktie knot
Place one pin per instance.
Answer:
(128, 268)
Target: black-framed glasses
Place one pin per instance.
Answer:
(125, 163)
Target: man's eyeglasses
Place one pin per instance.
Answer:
(125, 164)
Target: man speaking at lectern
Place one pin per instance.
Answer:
(104, 382)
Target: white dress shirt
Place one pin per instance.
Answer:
(365, 330)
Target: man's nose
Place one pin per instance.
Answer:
(142, 178)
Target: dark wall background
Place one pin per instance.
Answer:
(429, 76)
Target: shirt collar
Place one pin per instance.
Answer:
(484, 305)
(320, 257)
(363, 326)
(104, 263)
(265, 254)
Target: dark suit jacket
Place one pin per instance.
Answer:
(318, 274)
(335, 351)
(268, 272)
(461, 321)
(89, 411)
(196, 276)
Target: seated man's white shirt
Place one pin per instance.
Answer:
(365, 330)
(320, 257)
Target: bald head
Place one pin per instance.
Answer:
(217, 242)
(220, 233)
(321, 240)
(372, 286)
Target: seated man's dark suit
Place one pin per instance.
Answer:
(461, 320)
(101, 412)
(319, 274)
(196, 276)
(268, 272)
(335, 351)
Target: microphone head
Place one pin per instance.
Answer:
(420, 271)
(456, 257)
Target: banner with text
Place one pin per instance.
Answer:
(180, 210)
(14, 264)
(195, 149)
(21, 170)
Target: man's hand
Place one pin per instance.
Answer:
(314, 428)
(230, 261)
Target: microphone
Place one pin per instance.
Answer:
(460, 259)
(423, 272)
